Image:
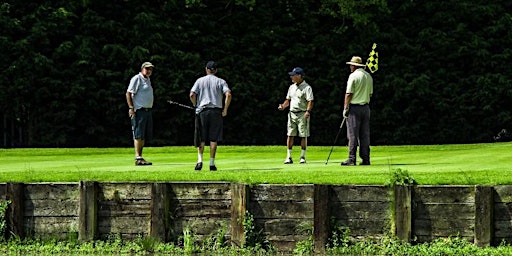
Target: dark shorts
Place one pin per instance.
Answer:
(211, 125)
(142, 124)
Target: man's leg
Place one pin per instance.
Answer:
(213, 151)
(289, 147)
(352, 135)
(139, 145)
(364, 136)
(200, 151)
(304, 146)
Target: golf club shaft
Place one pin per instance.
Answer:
(179, 104)
(336, 139)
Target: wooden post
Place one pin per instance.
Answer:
(403, 212)
(239, 201)
(88, 211)
(15, 210)
(159, 211)
(484, 204)
(321, 218)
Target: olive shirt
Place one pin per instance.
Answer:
(360, 85)
(299, 96)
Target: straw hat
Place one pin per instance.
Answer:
(356, 61)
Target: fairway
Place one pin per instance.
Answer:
(487, 163)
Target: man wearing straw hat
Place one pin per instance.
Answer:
(357, 111)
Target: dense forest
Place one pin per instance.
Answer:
(444, 67)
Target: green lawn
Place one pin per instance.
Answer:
(487, 163)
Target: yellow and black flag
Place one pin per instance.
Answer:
(373, 59)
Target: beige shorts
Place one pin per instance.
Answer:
(297, 125)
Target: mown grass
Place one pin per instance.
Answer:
(468, 164)
(487, 164)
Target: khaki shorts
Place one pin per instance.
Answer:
(297, 125)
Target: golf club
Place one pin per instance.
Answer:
(197, 123)
(336, 139)
(181, 105)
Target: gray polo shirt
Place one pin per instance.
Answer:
(210, 90)
(142, 92)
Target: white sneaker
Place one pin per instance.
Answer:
(302, 160)
(288, 161)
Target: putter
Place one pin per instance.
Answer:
(336, 139)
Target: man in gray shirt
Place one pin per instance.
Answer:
(206, 95)
(139, 97)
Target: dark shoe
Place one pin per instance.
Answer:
(365, 162)
(141, 161)
(213, 168)
(348, 162)
(288, 161)
(199, 166)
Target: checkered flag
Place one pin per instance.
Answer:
(373, 61)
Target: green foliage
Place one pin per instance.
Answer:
(4, 204)
(307, 246)
(401, 177)
(66, 66)
(340, 235)
(253, 238)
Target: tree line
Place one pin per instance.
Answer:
(444, 67)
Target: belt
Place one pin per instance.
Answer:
(212, 109)
(359, 104)
(144, 109)
(300, 111)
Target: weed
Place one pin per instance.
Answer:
(305, 247)
(401, 177)
(253, 238)
(340, 235)
(3, 221)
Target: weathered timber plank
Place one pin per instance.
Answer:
(124, 208)
(361, 209)
(274, 192)
(443, 210)
(205, 191)
(132, 224)
(124, 191)
(201, 226)
(285, 227)
(53, 191)
(3, 191)
(502, 193)
(285, 245)
(88, 211)
(443, 194)
(503, 228)
(430, 238)
(198, 208)
(365, 227)
(483, 215)
(50, 225)
(281, 209)
(51, 207)
(321, 218)
(503, 211)
(15, 211)
(239, 202)
(403, 212)
(444, 227)
(159, 211)
(359, 193)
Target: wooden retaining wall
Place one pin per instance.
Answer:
(284, 214)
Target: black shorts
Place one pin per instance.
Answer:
(211, 124)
